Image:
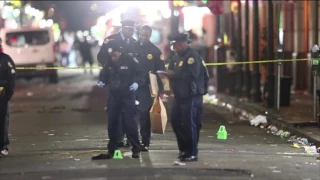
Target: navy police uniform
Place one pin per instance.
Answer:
(103, 57)
(189, 84)
(118, 77)
(7, 85)
(151, 60)
(124, 43)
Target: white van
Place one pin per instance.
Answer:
(31, 47)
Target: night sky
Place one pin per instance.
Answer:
(77, 14)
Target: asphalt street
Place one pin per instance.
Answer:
(55, 129)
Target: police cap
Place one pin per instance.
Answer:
(179, 37)
(113, 46)
(129, 24)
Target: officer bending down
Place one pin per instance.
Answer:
(189, 78)
(123, 76)
(7, 85)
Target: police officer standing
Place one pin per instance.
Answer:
(7, 85)
(151, 60)
(125, 40)
(188, 76)
(123, 76)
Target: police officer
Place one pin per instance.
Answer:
(151, 60)
(189, 78)
(7, 85)
(123, 76)
(125, 40)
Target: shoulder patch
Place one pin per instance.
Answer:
(180, 63)
(190, 60)
(162, 57)
(149, 56)
(107, 40)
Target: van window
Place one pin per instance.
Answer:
(31, 38)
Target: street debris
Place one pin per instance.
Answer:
(276, 171)
(177, 163)
(50, 134)
(261, 122)
(29, 94)
(46, 177)
(258, 120)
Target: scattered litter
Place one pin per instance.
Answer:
(50, 134)
(57, 141)
(289, 157)
(33, 144)
(77, 159)
(311, 149)
(273, 167)
(285, 134)
(29, 94)
(276, 171)
(279, 132)
(177, 163)
(82, 139)
(210, 136)
(274, 145)
(252, 175)
(127, 154)
(258, 120)
(229, 150)
(45, 132)
(46, 177)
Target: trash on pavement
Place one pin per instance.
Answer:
(77, 159)
(276, 171)
(177, 163)
(29, 94)
(310, 149)
(279, 132)
(285, 134)
(258, 120)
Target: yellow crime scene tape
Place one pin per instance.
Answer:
(207, 64)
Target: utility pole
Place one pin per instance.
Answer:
(256, 76)
(271, 75)
(247, 73)
(240, 53)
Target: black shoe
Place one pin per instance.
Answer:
(144, 148)
(181, 155)
(135, 155)
(103, 156)
(189, 158)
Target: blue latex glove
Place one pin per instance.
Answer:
(134, 87)
(101, 84)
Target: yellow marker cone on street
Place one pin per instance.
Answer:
(222, 133)
(117, 155)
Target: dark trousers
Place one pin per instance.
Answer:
(4, 139)
(121, 130)
(145, 104)
(117, 104)
(186, 122)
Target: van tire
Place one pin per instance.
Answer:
(53, 78)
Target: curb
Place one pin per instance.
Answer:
(272, 117)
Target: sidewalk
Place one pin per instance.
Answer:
(300, 110)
